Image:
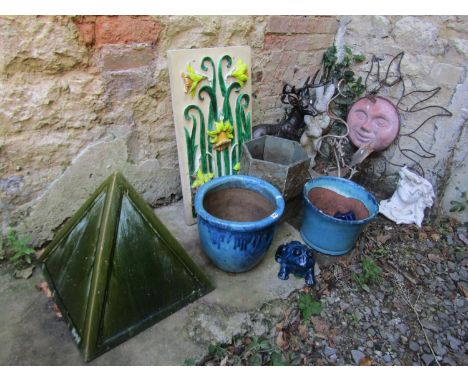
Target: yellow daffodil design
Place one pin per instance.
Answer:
(221, 136)
(191, 80)
(240, 72)
(201, 178)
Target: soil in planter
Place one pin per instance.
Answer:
(330, 203)
(237, 204)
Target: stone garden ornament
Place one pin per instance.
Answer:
(412, 196)
(315, 126)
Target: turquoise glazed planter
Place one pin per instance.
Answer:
(330, 235)
(237, 215)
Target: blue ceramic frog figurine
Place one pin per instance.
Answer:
(296, 258)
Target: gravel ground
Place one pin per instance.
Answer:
(412, 310)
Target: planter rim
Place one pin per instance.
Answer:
(307, 187)
(286, 166)
(240, 226)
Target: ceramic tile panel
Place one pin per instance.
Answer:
(212, 107)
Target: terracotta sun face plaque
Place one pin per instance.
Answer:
(373, 123)
(211, 91)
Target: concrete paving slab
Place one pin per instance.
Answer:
(30, 333)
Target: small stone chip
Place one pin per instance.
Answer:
(414, 346)
(427, 359)
(357, 356)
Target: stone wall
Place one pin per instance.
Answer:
(436, 53)
(84, 96)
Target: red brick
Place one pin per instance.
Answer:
(85, 19)
(87, 34)
(323, 25)
(274, 42)
(86, 26)
(306, 43)
(299, 43)
(301, 25)
(278, 24)
(288, 59)
(126, 29)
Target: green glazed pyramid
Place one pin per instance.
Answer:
(115, 269)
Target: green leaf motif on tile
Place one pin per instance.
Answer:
(242, 125)
(192, 149)
(222, 84)
(218, 153)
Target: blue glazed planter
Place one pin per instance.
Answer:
(330, 235)
(237, 246)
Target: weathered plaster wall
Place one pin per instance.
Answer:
(84, 96)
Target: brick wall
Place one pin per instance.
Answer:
(291, 51)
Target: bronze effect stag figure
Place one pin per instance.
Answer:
(293, 125)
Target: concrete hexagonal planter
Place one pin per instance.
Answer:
(279, 161)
